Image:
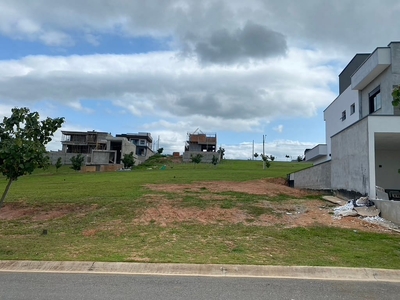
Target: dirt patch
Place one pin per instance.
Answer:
(288, 214)
(218, 209)
(16, 211)
(268, 187)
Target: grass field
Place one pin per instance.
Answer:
(93, 217)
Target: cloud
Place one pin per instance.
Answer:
(253, 41)
(277, 148)
(217, 31)
(279, 128)
(159, 84)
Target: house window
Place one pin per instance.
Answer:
(352, 108)
(343, 115)
(375, 100)
(142, 142)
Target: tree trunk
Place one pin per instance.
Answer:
(5, 192)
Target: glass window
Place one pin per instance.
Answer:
(352, 108)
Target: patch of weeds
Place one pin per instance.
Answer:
(227, 204)
(313, 196)
(259, 210)
(238, 249)
(280, 197)
(193, 201)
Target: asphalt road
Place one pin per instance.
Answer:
(54, 286)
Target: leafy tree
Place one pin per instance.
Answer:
(214, 160)
(129, 160)
(58, 163)
(396, 96)
(77, 162)
(272, 158)
(23, 140)
(256, 155)
(221, 152)
(196, 159)
(265, 160)
(160, 150)
(300, 158)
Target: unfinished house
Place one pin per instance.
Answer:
(100, 149)
(200, 143)
(143, 142)
(83, 142)
(362, 151)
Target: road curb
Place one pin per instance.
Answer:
(297, 272)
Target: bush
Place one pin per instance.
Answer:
(77, 162)
(58, 163)
(128, 160)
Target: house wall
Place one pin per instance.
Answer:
(317, 177)
(379, 124)
(387, 175)
(103, 156)
(127, 147)
(350, 159)
(384, 80)
(207, 156)
(390, 210)
(65, 157)
(333, 115)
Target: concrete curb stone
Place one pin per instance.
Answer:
(297, 272)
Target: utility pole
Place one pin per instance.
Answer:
(158, 143)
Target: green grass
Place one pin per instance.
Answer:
(102, 209)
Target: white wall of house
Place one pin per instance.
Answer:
(333, 115)
(384, 81)
(380, 124)
(387, 164)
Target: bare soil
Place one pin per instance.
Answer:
(161, 210)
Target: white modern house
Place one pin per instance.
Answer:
(362, 150)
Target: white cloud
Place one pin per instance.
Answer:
(340, 24)
(160, 84)
(278, 148)
(279, 128)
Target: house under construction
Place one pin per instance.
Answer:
(200, 143)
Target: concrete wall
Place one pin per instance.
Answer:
(317, 177)
(65, 157)
(103, 156)
(207, 156)
(390, 210)
(350, 159)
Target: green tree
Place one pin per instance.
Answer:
(58, 163)
(272, 158)
(23, 139)
(256, 155)
(214, 160)
(265, 160)
(128, 160)
(196, 159)
(396, 96)
(77, 162)
(160, 150)
(221, 152)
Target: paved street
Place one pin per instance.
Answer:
(35, 286)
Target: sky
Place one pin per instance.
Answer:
(240, 69)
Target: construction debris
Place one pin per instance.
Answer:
(357, 207)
